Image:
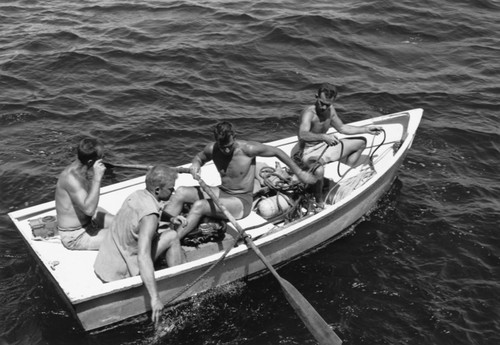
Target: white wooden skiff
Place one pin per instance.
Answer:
(97, 305)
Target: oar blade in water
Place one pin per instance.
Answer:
(309, 316)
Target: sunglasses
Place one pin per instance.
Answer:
(323, 104)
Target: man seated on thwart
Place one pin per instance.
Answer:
(134, 240)
(315, 146)
(81, 223)
(235, 161)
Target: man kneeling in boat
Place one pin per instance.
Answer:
(315, 146)
(235, 162)
(133, 241)
(79, 221)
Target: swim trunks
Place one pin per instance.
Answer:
(311, 152)
(87, 237)
(246, 200)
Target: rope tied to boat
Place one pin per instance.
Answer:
(352, 183)
(281, 181)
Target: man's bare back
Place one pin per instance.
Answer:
(68, 215)
(79, 219)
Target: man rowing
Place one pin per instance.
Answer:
(235, 161)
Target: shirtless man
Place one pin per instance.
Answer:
(235, 162)
(315, 121)
(79, 220)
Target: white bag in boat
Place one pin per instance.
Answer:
(273, 206)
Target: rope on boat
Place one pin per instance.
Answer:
(373, 153)
(293, 193)
(350, 184)
(283, 185)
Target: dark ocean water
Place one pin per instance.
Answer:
(150, 78)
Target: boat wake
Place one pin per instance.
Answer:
(197, 313)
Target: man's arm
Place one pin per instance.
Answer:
(200, 159)
(257, 149)
(147, 231)
(349, 130)
(86, 201)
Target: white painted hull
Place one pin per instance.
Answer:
(97, 305)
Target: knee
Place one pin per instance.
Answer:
(357, 148)
(319, 172)
(169, 238)
(362, 144)
(199, 207)
(180, 194)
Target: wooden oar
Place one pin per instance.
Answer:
(313, 321)
(127, 166)
(140, 167)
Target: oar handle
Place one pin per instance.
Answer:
(108, 165)
(127, 166)
(238, 227)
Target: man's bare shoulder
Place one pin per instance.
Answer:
(254, 148)
(69, 178)
(335, 119)
(244, 145)
(247, 147)
(209, 146)
(333, 112)
(207, 151)
(64, 175)
(309, 110)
